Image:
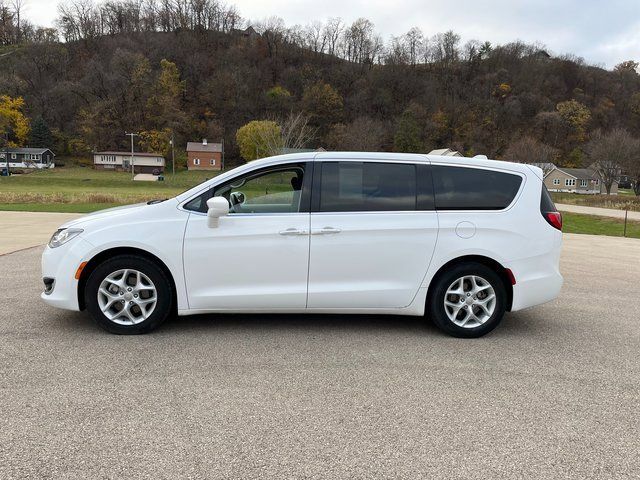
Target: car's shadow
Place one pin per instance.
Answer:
(515, 324)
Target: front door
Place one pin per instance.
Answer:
(258, 256)
(373, 233)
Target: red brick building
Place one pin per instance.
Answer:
(204, 156)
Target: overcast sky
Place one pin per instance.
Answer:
(603, 32)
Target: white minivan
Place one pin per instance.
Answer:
(458, 240)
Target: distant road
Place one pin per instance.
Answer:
(602, 212)
(20, 230)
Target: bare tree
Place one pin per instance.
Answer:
(18, 6)
(414, 41)
(529, 150)
(315, 38)
(610, 151)
(295, 132)
(333, 32)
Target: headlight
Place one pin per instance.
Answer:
(63, 235)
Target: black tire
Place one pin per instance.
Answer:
(164, 304)
(435, 304)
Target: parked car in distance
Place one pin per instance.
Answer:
(458, 240)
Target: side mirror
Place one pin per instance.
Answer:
(236, 198)
(218, 207)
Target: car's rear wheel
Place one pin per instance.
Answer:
(469, 300)
(129, 294)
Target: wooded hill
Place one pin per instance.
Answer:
(415, 93)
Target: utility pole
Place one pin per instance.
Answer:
(173, 155)
(222, 163)
(6, 152)
(132, 135)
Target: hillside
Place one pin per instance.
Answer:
(500, 101)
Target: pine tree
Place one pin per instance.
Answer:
(40, 134)
(408, 135)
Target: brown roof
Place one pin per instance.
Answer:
(128, 154)
(579, 173)
(199, 147)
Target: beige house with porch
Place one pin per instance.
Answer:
(577, 180)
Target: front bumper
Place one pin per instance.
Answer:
(60, 265)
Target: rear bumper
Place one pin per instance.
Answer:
(536, 291)
(538, 280)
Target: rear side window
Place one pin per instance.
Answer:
(367, 186)
(546, 203)
(461, 188)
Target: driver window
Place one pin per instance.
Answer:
(273, 191)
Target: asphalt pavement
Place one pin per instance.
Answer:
(554, 392)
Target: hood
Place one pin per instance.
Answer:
(109, 213)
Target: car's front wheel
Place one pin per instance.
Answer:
(129, 294)
(467, 301)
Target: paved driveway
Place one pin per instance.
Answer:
(552, 393)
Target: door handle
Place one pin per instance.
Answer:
(326, 231)
(292, 232)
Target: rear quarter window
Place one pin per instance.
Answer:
(465, 188)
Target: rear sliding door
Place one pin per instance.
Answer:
(373, 232)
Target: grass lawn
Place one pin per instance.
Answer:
(593, 225)
(56, 207)
(623, 201)
(85, 189)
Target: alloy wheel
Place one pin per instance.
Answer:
(127, 297)
(470, 301)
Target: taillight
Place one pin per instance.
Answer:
(554, 219)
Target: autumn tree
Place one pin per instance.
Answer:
(323, 103)
(612, 151)
(165, 103)
(13, 121)
(575, 114)
(278, 99)
(155, 141)
(256, 139)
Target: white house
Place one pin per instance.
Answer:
(121, 161)
(27, 158)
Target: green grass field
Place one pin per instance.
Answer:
(593, 225)
(82, 189)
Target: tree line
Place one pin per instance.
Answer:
(192, 69)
